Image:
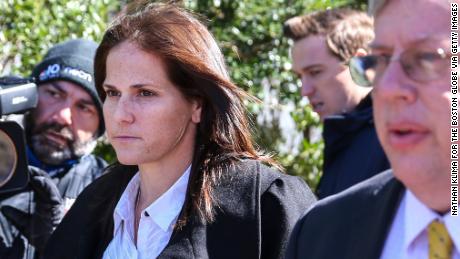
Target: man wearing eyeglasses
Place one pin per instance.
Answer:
(406, 211)
(324, 42)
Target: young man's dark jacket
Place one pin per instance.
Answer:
(257, 209)
(70, 181)
(352, 150)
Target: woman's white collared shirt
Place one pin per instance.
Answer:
(155, 225)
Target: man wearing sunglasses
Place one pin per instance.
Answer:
(324, 42)
(405, 212)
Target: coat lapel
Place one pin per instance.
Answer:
(99, 231)
(179, 245)
(372, 224)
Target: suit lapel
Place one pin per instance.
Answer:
(372, 224)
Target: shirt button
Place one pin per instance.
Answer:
(146, 214)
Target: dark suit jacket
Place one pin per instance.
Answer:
(258, 208)
(352, 224)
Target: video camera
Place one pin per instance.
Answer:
(17, 95)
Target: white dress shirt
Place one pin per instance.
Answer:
(155, 225)
(408, 237)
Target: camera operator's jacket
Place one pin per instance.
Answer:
(70, 183)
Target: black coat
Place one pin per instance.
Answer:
(258, 208)
(352, 150)
(352, 224)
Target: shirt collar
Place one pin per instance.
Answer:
(453, 227)
(165, 210)
(124, 210)
(162, 211)
(417, 217)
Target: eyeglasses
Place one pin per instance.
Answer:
(419, 65)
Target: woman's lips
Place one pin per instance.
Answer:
(125, 138)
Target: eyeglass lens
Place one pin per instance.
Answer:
(420, 66)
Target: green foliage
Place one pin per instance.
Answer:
(28, 28)
(257, 54)
(249, 32)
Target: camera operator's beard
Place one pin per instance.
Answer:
(53, 153)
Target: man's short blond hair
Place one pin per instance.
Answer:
(346, 30)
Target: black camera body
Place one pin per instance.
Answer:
(17, 95)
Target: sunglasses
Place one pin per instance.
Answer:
(419, 65)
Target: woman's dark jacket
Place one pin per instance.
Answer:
(258, 207)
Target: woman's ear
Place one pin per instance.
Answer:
(196, 110)
(360, 52)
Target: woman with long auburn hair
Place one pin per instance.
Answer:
(189, 182)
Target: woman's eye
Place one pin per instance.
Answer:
(146, 93)
(111, 93)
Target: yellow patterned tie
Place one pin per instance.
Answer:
(440, 243)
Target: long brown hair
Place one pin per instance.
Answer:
(196, 66)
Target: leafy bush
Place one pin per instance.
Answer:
(250, 34)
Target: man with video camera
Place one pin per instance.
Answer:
(60, 134)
